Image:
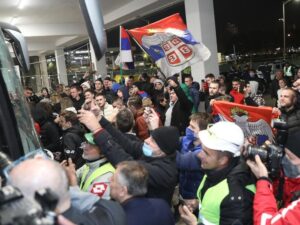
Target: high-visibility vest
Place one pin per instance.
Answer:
(210, 205)
(85, 183)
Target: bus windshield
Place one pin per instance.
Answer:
(26, 129)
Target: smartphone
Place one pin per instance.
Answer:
(148, 110)
(87, 106)
(181, 200)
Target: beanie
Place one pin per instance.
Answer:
(167, 138)
(158, 81)
(87, 84)
(174, 78)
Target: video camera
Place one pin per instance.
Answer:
(16, 209)
(271, 155)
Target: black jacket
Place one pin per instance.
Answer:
(103, 212)
(71, 140)
(208, 98)
(49, 135)
(236, 207)
(162, 170)
(181, 111)
(292, 119)
(274, 88)
(78, 103)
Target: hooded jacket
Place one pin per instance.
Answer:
(71, 140)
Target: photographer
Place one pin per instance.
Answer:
(265, 205)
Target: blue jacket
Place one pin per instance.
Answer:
(147, 211)
(195, 94)
(189, 165)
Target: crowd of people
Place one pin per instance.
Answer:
(140, 152)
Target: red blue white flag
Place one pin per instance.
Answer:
(170, 44)
(125, 55)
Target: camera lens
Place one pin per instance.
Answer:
(251, 151)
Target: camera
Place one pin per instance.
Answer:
(15, 209)
(282, 132)
(70, 154)
(270, 155)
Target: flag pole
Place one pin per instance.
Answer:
(145, 52)
(121, 62)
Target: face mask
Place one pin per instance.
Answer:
(190, 134)
(147, 150)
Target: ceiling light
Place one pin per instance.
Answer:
(22, 4)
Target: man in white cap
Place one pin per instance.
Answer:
(227, 189)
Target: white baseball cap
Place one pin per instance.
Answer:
(223, 136)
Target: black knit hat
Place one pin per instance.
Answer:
(174, 78)
(167, 138)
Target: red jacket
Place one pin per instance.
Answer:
(265, 207)
(291, 185)
(141, 125)
(237, 97)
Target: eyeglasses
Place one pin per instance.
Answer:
(38, 154)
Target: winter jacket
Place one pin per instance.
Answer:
(72, 139)
(147, 211)
(49, 135)
(181, 111)
(162, 170)
(292, 118)
(265, 207)
(102, 212)
(141, 125)
(189, 166)
(236, 206)
(208, 108)
(78, 103)
(194, 93)
(287, 185)
(274, 88)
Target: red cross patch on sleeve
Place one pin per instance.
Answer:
(99, 189)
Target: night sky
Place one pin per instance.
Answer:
(250, 25)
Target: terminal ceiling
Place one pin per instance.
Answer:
(52, 24)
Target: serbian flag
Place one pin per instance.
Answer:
(124, 59)
(254, 121)
(170, 44)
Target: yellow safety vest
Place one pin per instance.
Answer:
(85, 184)
(209, 206)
